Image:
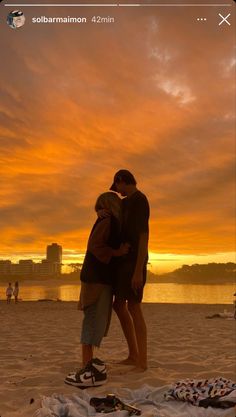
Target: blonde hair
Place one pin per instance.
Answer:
(111, 202)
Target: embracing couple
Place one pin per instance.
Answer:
(114, 274)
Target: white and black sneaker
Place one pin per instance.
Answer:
(94, 374)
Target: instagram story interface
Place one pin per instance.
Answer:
(117, 208)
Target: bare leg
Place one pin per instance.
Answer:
(140, 333)
(87, 354)
(127, 325)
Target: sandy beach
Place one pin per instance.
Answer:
(40, 344)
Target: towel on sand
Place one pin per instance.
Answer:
(213, 392)
(224, 315)
(149, 399)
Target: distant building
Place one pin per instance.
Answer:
(26, 267)
(5, 267)
(54, 255)
(46, 268)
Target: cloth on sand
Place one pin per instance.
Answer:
(205, 392)
(149, 399)
(224, 315)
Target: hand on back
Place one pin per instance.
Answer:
(124, 248)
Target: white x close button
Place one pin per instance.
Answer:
(224, 19)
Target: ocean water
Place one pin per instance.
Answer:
(154, 293)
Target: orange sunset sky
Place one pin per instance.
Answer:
(152, 93)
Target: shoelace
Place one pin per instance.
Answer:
(87, 368)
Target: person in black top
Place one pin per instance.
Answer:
(130, 276)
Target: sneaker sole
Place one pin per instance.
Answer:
(78, 384)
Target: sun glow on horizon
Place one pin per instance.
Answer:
(158, 263)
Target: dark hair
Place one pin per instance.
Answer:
(123, 175)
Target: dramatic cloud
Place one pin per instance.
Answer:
(152, 93)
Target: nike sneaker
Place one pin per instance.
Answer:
(94, 374)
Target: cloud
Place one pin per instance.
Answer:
(149, 94)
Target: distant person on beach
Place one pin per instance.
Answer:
(9, 292)
(130, 276)
(96, 288)
(16, 291)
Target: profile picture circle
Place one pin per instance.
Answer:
(16, 19)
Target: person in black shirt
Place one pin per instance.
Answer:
(130, 276)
